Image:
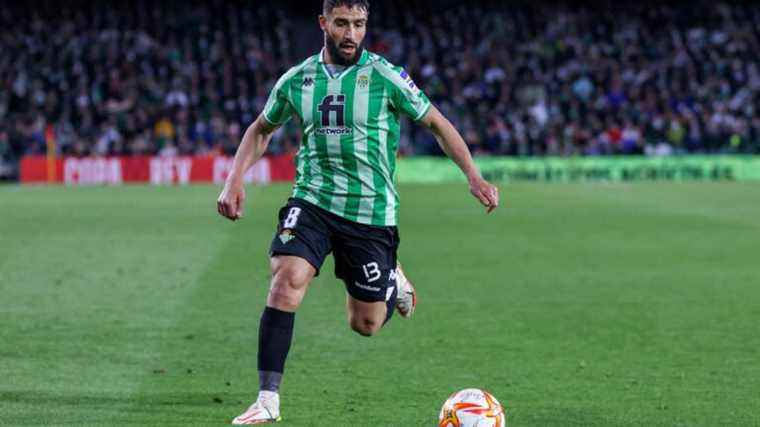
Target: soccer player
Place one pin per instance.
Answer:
(348, 102)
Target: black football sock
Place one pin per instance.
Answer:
(269, 381)
(275, 336)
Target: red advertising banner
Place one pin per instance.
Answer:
(150, 169)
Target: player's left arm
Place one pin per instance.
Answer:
(453, 145)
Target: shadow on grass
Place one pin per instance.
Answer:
(563, 416)
(37, 397)
(28, 407)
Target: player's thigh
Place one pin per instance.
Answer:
(297, 251)
(302, 233)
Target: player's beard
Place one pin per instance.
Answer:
(337, 55)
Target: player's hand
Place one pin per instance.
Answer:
(485, 192)
(231, 200)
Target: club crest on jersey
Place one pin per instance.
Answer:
(409, 82)
(286, 236)
(363, 81)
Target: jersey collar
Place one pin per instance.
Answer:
(362, 59)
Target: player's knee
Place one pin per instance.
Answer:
(365, 326)
(287, 288)
(290, 278)
(283, 299)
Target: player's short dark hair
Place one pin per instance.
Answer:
(329, 5)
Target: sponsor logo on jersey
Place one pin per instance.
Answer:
(333, 113)
(334, 131)
(286, 236)
(307, 81)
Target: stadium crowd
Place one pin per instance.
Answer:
(177, 78)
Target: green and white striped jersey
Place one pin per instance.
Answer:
(350, 126)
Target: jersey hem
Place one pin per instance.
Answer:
(394, 224)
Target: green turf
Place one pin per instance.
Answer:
(574, 304)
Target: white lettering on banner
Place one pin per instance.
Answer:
(183, 170)
(91, 171)
(170, 170)
(258, 173)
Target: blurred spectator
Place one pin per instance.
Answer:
(641, 78)
(174, 78)
(7, 169)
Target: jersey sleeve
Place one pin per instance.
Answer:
(278, 109)
(405, 96)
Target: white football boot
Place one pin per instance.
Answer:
(266, 409)
(406, 300)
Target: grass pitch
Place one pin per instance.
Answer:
(588, 305)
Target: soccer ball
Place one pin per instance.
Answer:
(471, 407)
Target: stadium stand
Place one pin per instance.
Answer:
(111, 78)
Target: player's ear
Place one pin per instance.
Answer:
(323, 22)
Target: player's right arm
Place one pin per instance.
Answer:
(253, 145)
(277, 111)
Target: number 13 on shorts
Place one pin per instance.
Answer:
(372, 272)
